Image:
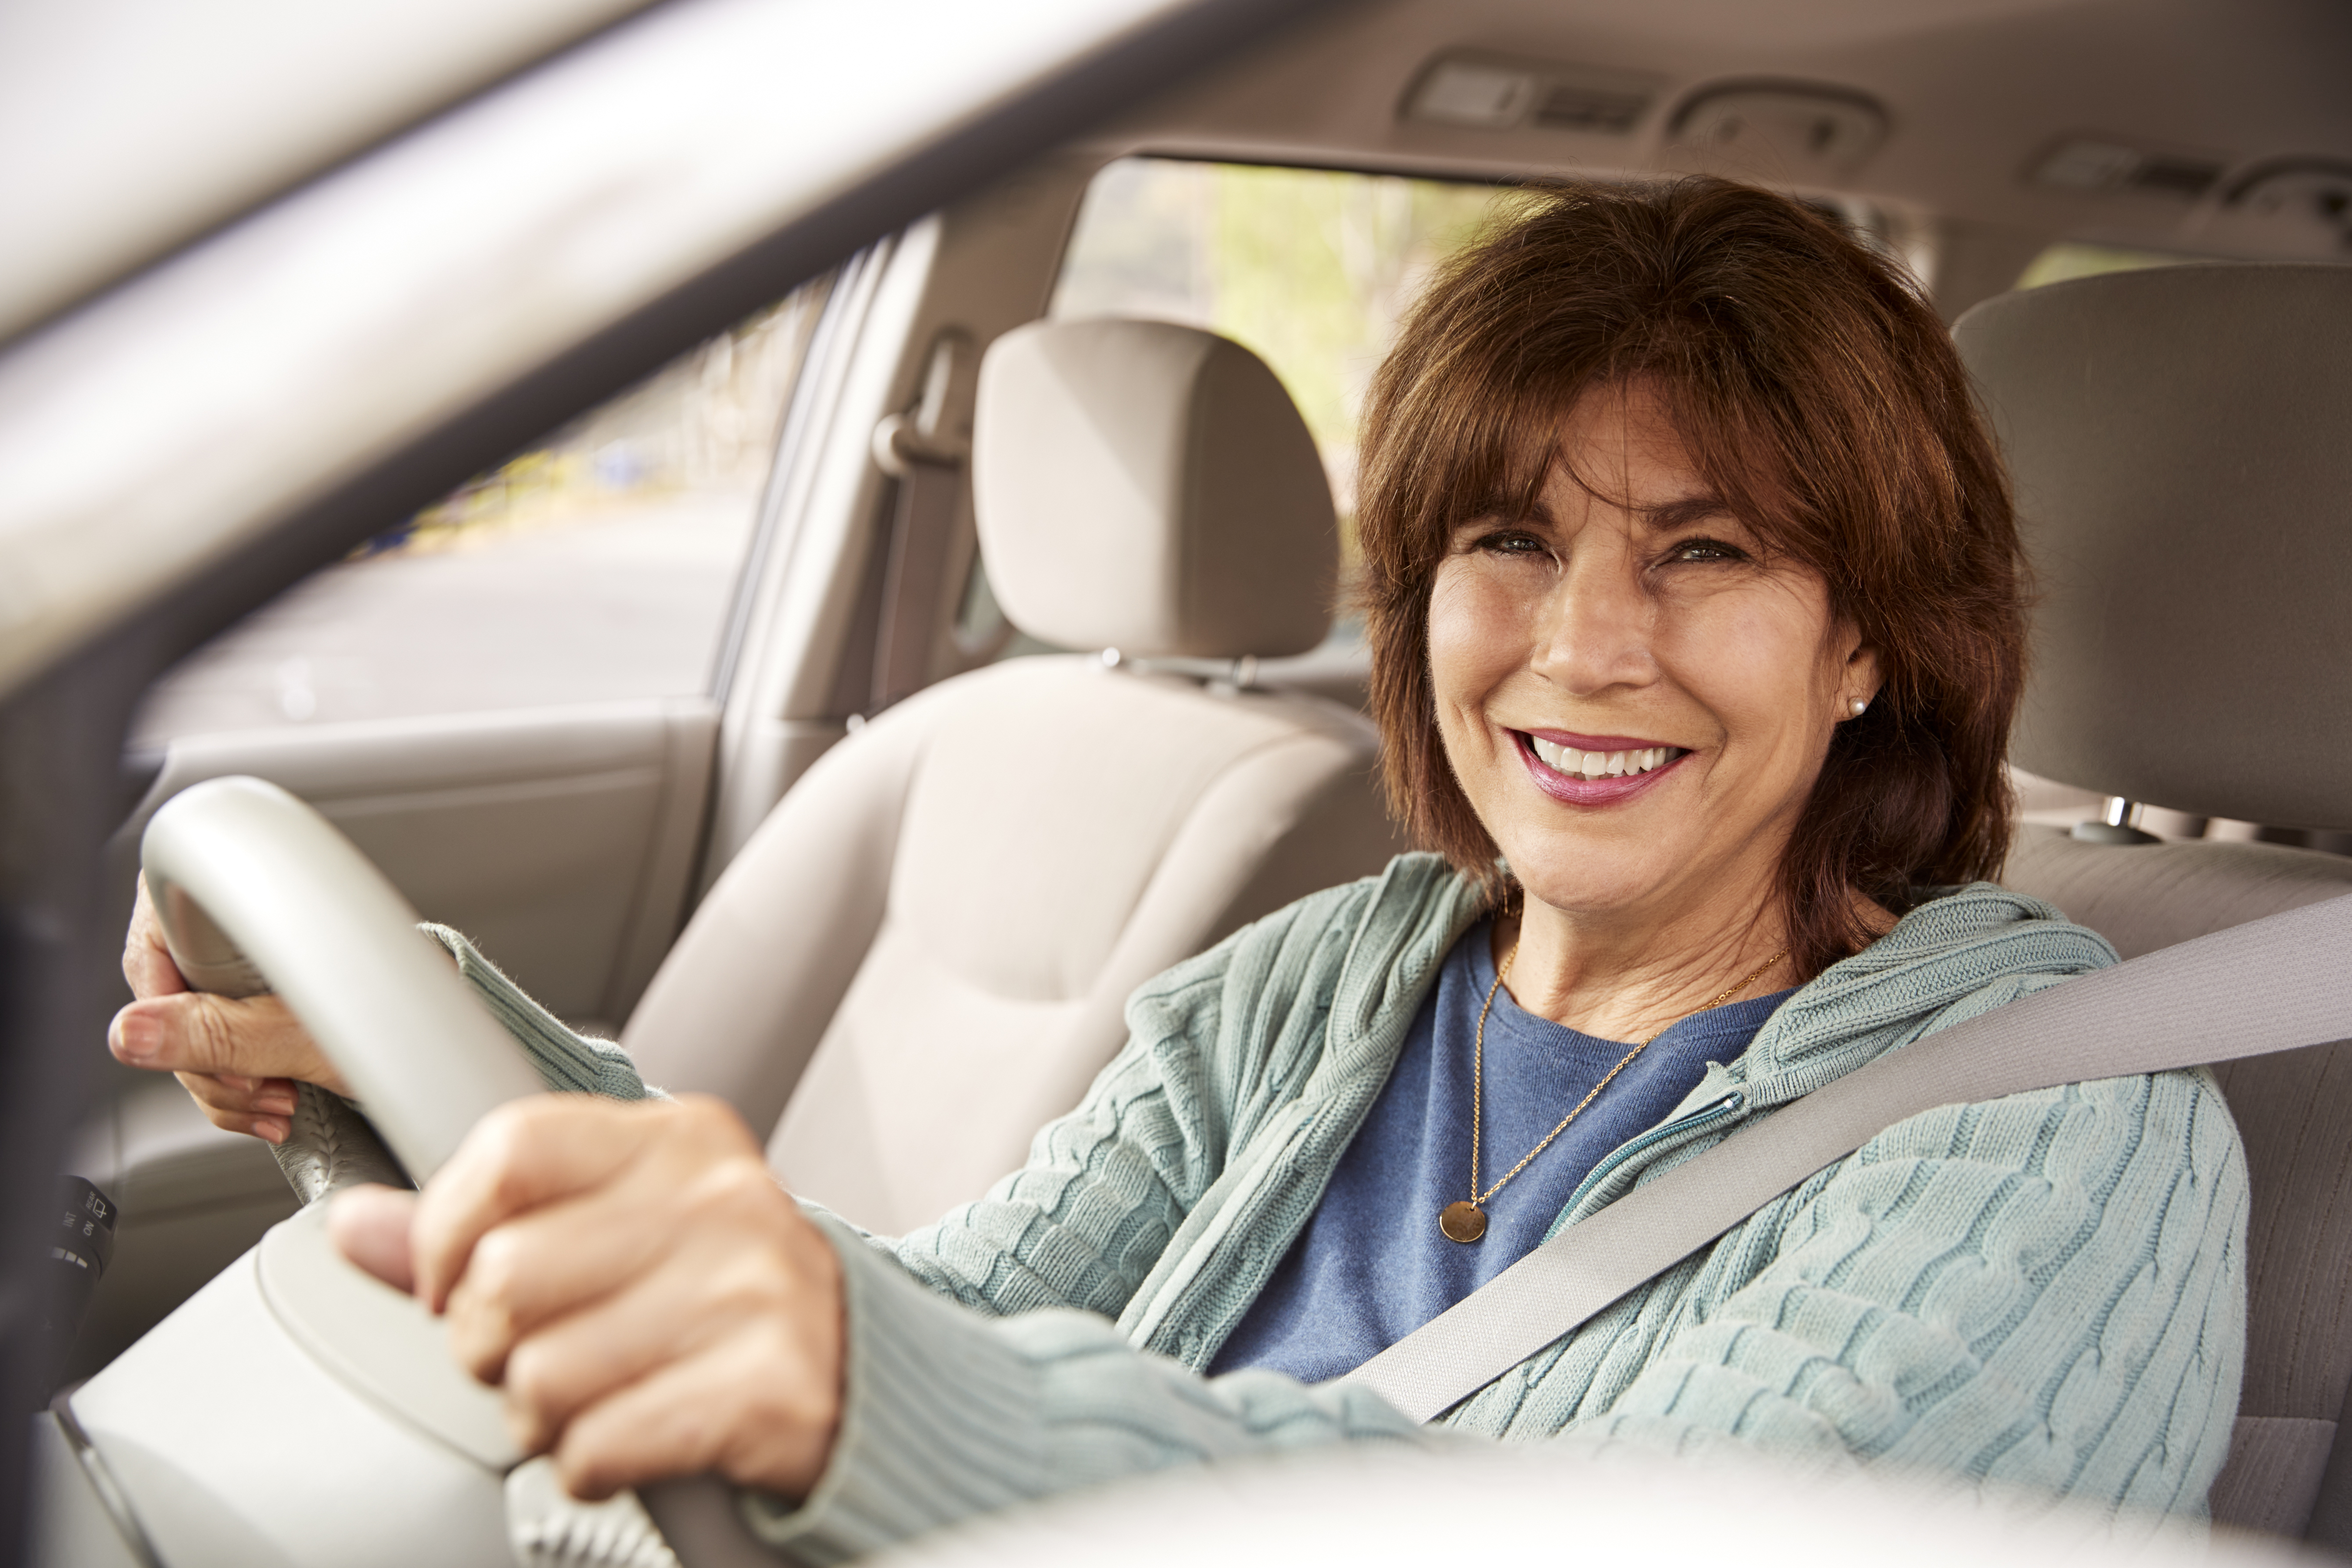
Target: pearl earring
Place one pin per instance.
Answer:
(1856, 705)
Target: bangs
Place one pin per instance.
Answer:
(1505, 445)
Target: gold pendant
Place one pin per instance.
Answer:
(1463, 1222)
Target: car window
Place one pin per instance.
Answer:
(597, 565)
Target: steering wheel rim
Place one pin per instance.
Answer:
(255, 890)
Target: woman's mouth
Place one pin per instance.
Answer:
(1594, 771)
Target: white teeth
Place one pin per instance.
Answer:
(1568, 759)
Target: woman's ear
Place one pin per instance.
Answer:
(1860, 678)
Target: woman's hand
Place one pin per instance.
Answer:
(238, 1057)
(651, 1301)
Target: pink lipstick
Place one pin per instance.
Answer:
(1574, 788)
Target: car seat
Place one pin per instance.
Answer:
(2178, 442)
(924, 952)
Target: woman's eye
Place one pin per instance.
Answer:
(1706, 550)
(1511, 542)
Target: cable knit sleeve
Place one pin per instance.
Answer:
(2045, 1292)
(951, 1414)
(567, 1061)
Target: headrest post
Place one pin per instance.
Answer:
(2118, 823)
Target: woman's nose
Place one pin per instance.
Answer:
(1593, 629)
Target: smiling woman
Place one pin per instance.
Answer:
(1693, 597)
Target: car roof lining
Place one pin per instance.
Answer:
(1977, 91)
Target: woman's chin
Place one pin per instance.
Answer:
(1590, 882)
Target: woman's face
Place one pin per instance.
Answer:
(1637, 699)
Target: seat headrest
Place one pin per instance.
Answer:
(1150, 487)
(2181, 443)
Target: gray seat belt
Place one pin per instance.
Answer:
(2276, 983)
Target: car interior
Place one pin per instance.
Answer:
(847, 716)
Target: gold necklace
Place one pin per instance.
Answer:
(1466, 1222)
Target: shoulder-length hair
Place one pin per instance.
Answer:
(1822, 399)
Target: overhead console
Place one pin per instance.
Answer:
(1785, 132)
(1495, 92)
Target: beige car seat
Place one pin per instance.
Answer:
(2182, 441)
(924, 954)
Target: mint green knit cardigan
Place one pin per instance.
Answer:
(2045, 1292)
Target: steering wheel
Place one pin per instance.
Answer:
(255, 892)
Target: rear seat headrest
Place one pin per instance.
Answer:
(2182, 442)
(1150, 487)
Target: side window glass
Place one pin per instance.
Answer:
(598, 565)
(1309, 269)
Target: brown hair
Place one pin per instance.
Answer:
(1820, 397)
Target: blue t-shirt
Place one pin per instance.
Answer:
(1370, 1266)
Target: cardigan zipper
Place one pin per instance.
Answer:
(1692, 1122)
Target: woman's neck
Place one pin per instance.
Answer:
(1627, 980)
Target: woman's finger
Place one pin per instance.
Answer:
(239, 1096)
(570, 1252)
(523, 1154)
(195, 1032)
(757, 1406)
(722, 1276)
(264, 1111)
(556, 1258)
(564, 1366)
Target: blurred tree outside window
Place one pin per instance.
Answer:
(2070, 259)
(598, 565)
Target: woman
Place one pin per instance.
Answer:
(1693, 594)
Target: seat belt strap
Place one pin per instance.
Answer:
(2276, 983)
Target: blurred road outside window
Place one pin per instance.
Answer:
(597, 566)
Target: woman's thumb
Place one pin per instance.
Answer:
(370, 1226)
(195, 1032)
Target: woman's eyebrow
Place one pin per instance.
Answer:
(1501, 510)
(1680, 514)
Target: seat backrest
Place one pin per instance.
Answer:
(2178, 440)
(925, 952)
